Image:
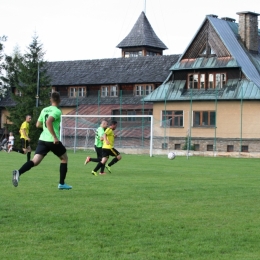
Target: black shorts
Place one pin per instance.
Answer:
(24, 143)
(99, 152)
(44, 147)
(107, 152)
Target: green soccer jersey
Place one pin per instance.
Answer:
(56, 114)
(99, 133)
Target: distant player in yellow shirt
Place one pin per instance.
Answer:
(25, 139)
(108, 149)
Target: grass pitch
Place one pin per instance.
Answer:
(148, 208)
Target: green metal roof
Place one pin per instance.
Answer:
(234, 90)
(205, 63)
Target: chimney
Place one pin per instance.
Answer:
(248, 30)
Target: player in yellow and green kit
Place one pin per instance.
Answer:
(108, 149)
(49, 120)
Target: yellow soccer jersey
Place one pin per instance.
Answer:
(25, 125)
(111, 138)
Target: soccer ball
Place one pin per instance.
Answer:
(171, 155)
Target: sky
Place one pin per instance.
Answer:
(91, 29)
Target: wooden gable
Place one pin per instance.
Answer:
(206, 43)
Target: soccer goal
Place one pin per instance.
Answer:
(133, 132)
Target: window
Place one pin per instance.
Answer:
(177, 147)
(196, 147)
(220, 80)
(202, 80)
(111, 91)
(210, 81)
(217, 80)
(230, 148)
(244, 148)
(143, 90)
(150, 53)
(104, 91)
(164, 146)
(133, 54)
(210, 147)
(172, 118)
(204, 118)
(77, 91)
(193, 80)
(18, 93)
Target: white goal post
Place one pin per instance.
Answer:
(133, 129)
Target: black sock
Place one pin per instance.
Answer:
(115, 160)
(94, 159)
(99, 165)
(102, 169)
(63, 172)
(28, 156)
(26, 167)
(18, 150)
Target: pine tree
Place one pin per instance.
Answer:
(3, 85)
(22, 73)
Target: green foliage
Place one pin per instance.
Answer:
(22, 73)
(3, 85)
(148, 208)
(188, 144)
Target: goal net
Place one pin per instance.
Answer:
(138, 134)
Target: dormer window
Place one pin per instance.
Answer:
(207, 52)
(133, 54)
(109, 91)
(206, 80)
(143, 90)
(77, 91)
(217, 80)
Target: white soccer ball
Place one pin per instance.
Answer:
(171, 155)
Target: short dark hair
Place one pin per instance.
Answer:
(113, 122)
(55, 96)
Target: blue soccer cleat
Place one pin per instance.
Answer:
(64, 187)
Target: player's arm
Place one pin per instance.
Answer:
(49, 125)
(39, 124)
(105, 139)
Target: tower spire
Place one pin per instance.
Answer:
(145, 6)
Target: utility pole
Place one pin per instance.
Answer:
(37, 91)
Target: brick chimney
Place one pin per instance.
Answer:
(248, 30)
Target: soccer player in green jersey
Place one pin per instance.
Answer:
(49, 120)
(98, 145)
(108, 149)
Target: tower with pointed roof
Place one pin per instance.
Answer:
(142, 40)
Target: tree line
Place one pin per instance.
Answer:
(24, 81)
